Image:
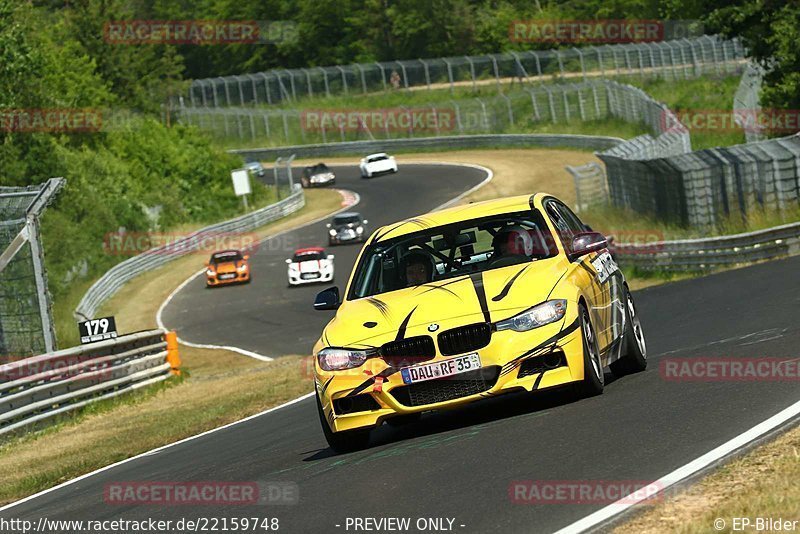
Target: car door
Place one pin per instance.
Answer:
(597, 283)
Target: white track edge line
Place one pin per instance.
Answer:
(153, 451)
(683, 472)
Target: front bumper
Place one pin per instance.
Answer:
(296, 280)
(542, 358)
(238, 278)
(340, 238)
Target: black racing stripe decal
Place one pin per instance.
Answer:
(325, 337)
(326, 384)
(389, 371)
(500, 296)
(543, 345)
(380, 236)
(401, 332)
(538, 381)
(382, 306)
(477, 283)
(530, 202)
(433, 287)
(370, 324)
(587, 269)
(554, 285)
(419, 221)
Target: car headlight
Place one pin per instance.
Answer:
(332, 232)
(540, 315)
(242, 268)
(210, 272)
(359, 230)
(338, 359)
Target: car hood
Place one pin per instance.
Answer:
(227, 267)
(496, 294)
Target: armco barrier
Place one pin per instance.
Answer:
(117, 276)
(40, 387)
(362, 148)
(708, 253)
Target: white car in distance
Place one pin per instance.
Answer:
(310, 265)
(377, 164)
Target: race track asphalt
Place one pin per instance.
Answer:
(271, 318)
(461, 464)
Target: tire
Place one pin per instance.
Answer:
(341, 442)
(633, 358)
(593, 379)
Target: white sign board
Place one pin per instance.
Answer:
(241, 182)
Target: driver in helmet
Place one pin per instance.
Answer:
(418, 268)
(512, 244)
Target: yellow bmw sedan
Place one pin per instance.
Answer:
(470, 302)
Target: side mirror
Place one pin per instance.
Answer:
(327, 299)
(364, 221)
(328, 225)
(247, 256)
(587, 242)
(331, 256)
(288, 261)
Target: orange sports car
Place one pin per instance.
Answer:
(227, 267)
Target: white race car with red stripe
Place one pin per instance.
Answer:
(310, 265)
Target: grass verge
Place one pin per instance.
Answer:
(762, 483)
(217, 387)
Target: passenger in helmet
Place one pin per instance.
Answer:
(418, 268)
(512, 244)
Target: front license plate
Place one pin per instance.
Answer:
(226, 276)
(309, 276)
(444, 368)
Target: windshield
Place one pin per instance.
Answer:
(308, 256)
(454, 250)
(346, 219)
(222, 257)
(372, 159)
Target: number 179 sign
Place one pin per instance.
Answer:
(98, 329)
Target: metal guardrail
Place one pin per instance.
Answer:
(360, 148)
(708, 253)
(40, 387)
(113, 279)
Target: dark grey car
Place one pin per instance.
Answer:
(348, 227)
